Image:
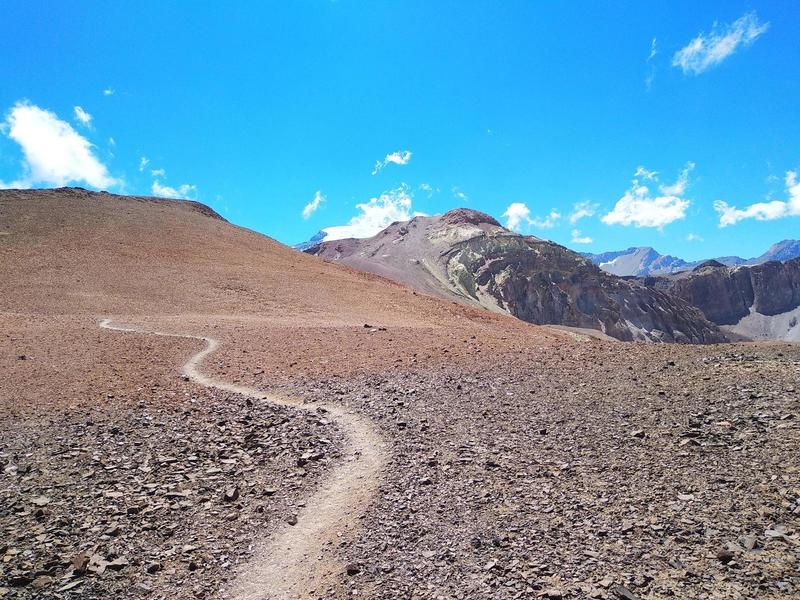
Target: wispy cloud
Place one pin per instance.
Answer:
(518, 214)
(548, 222)
(707, 51)
(108, 92)
(763, 211)
(396, 158)
(653, 50)
(376, 215)
(645, 173)
(693, 237)
(82, 117)
(310, 208)
(638, 206)
(164, 191)
(651, 72)
(458, 194)
(648, 81)
(53, 152)
(582, 210)
(159, 173)
(428, 189)
(143, 162)
(679, 187)
(577, 238)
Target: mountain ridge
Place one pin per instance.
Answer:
(638, 261)
(467, 256)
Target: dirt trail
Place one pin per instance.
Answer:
(300, 561)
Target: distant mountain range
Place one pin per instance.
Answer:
(642, 261)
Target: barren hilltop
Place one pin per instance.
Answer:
(189, 409)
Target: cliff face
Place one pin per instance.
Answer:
(541, 282)
(728, 294)
(469, 257)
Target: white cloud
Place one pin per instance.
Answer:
(651, 73)
(653, 50)
(693, 237)
(763, 211)
(158, 173)
(706, 51)
(518, 214)
(645, 174)
(112, 141)
(108, 92)
(458, 194)
(648, 81)
(428, 189)
(164, 191)
(82, 117)
(577, 238)
(679, 187)
(640, 208)
(582, 210)
(397, 158)
(53, 152)
(143, 162)
(376, 215)
(547, 222)
(310, 208)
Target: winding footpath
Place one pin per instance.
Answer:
(300, 561)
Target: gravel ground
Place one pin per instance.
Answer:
(523, 466)
(590, 471)
(156, 488)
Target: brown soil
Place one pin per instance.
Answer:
(169, 488)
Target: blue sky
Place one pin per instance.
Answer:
(521, 109)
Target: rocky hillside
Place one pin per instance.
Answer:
(758, 302)
(104, 254)
(467, 256)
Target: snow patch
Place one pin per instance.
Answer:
(602, 265)
(756, 326)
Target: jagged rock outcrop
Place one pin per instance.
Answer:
(467, 256)
(726, 295)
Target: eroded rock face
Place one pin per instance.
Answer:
(544, 283)
(467, 256)
(728, 294)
